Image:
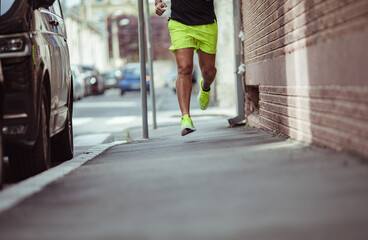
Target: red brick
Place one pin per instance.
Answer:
(319, 135)
(299, 24)
(338, 107)
(338, 122)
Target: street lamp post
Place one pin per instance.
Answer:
(142, 59)
(115, 41)
(150, 62)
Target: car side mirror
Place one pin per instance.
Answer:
(43, 3)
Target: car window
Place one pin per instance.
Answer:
(5, 6)
(85, 68)
(110, 74)
(56, 9)
(132, 71)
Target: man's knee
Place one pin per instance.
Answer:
(209, 72)
(185, 69)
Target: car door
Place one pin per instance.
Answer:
(61, 65)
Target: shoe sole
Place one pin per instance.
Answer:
(187, 131)
(199, 95)
(198, 99)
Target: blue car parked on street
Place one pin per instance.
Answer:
(131, 77)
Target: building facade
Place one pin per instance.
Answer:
(87, 45)
(306, 70)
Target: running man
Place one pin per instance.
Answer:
(193, 27)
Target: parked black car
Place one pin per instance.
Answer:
(38, 99)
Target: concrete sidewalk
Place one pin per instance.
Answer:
(218, 183)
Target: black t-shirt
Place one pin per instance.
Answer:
(193, 12)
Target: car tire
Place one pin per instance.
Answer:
(25, 163)
(122, 92)
(63, 144)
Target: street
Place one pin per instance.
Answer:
(95, 118)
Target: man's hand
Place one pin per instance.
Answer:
(160, 8)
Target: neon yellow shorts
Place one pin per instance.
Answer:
(203, 37)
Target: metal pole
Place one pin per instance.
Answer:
(115, 40)
(150, 62)
(142, 59)
(81, 19)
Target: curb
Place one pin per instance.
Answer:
(15, 194)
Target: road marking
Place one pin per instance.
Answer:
(121, 120)
(13, 195)
(104, 125)
(90, 139)
(81, 121)
(107, 104)
(112, 92)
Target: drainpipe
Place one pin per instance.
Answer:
(239, 119)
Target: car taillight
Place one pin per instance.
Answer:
(93, 80)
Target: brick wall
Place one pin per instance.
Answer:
(308, 60)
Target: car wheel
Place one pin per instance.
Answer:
(25, 163)
(122, 92)
(62, 144)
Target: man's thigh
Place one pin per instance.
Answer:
(206, 61)
(184, 58)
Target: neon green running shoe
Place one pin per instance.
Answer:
(203, 96)
(186, 125)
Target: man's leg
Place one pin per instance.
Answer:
(208, 69)
(184, 61)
